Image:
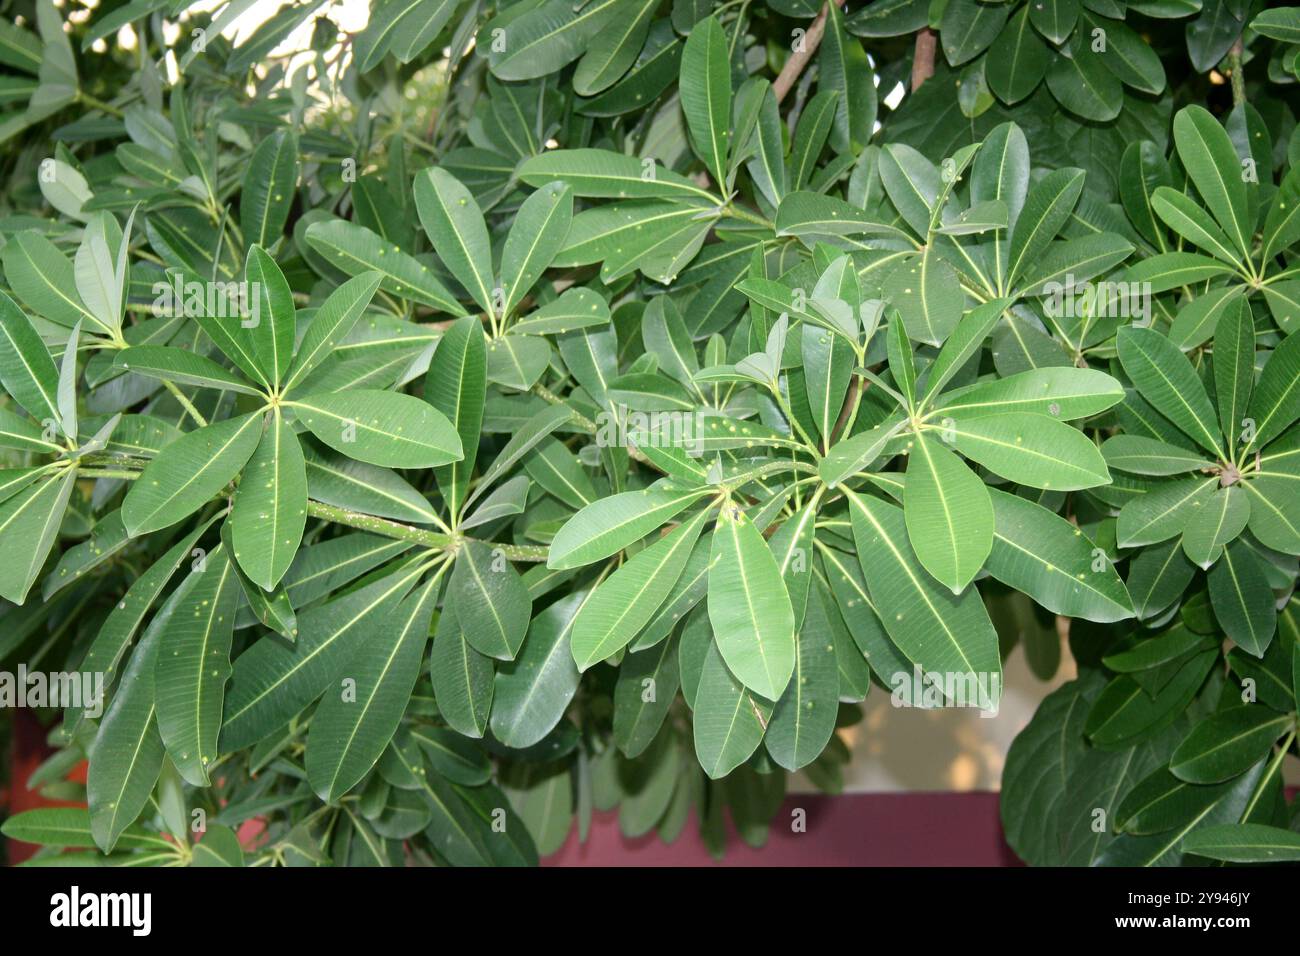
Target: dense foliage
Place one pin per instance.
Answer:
(515, 409)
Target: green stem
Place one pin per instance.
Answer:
(99, 104)
(1237, 73)
(422, 536)
(371, 523)
(186, 404)
(743, 214)
(581, 421)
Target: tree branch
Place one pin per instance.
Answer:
(795, 65)
(923, 57)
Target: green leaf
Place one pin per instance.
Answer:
(540, 229)
(767, 167)
(1040, 764)
(1228, 743)
(189, 472)
(369, 489)
(1244, 842)
(1194, 224)
(181, 367)
(849, 455)
(1059, 392)
(382, 428)
(576, 308)
(119, 627)
(1166, 379)
(547, 37)
(98, 281)
(1017, 60)
(558, 470)
(901, 366)
(1046, 557)
(455, 386)
(354, 722)
(534, 430)
(1210, 160)
(273, 323)
(492, 604)
(70, 827)
(127, 755)
(1242, 599)
(828, 369)
(193, 665)
(1169, 270)
(608, 525)
(948, 513)
(1032, 450)
(1234, 367)
(269, 187)
(533, 691)
(621, 606)
(1276, 401)
(605, 174)
(269, 510)
(813, 214)
(1125, 712)
(26, 370)
(272, 680)
(454, 223)
(942, 633)
(331, 324)
(44, 280)
(728, 721)
(1055, 19)
(1047, 208)
(647, 685)
(705, 91)
(1140, 455)
(1163, 512)
(843, 66)
(615, 48)
(462, 678)
(1082, 83)
(792, 545)
(356, 250)
(749, 608)
(804, 716)
(1216, 522)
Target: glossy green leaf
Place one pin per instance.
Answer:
(492, 605)
(193, 665)
(948, 513)
(624, 603)
(749, 608)
(190, 472)
(382, 428)
(358, 717)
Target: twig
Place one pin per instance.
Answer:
(1237, 73)
(923, 57)
(795, 65)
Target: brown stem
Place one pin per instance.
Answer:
(857, 385)
(923, 58)
(799, 59)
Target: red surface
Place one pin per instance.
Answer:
(29, 750)
(860, 829)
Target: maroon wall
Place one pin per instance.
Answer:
(860, 829)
